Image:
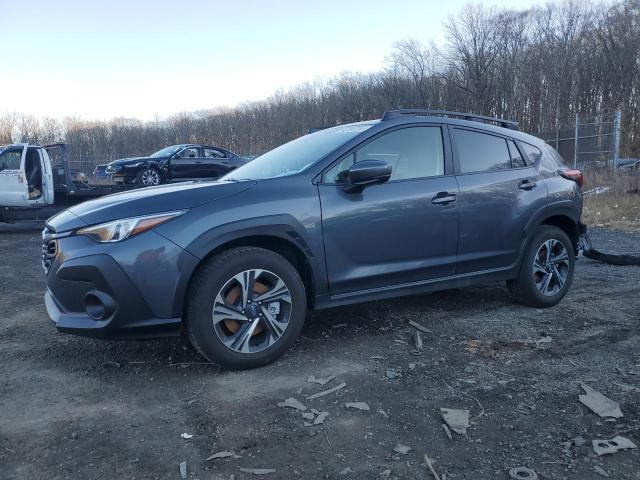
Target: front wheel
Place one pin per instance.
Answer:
(149, 177)
(245, 308)
(547, 269)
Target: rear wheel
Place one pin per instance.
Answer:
(547, 269)
(245, 308)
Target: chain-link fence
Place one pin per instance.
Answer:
(593, 141)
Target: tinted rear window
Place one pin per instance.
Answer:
(480, 152)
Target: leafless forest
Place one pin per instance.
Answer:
(538, 66)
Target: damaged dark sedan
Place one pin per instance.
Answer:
(177, 163)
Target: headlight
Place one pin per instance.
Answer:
(119, 230)
(113, 168)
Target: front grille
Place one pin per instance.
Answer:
(49, 249)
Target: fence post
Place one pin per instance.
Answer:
(575, 143)
(616, 137)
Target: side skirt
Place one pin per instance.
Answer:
(415, 288)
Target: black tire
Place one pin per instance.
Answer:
(210, 280)
(145, 172)
(524, 288)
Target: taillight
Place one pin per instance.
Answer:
(575, 175)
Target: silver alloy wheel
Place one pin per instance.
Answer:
(551, 267)
(252, 311)
(150, 178)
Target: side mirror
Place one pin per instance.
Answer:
(365, 173)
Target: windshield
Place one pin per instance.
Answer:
(165, 152)
(297, 155)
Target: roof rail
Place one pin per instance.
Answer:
(445, 113)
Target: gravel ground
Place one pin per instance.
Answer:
(77, 408)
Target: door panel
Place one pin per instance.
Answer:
(186, 164)
(495, 200)
(493, 213)
(14, 191)
(389, 234)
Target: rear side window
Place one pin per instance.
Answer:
(414, 152)
(516, 157)
(533, 153)
(480, 152)
(214, 153)
(10, 159)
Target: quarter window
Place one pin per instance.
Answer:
(516, 156)
(480, 152)
(533, 153)
(414, 152)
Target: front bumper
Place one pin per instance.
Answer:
(132, 289)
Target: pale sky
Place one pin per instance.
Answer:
(112, 58)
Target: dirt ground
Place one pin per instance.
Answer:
(75, 408)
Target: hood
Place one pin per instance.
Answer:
(144, 201)
(130, 160)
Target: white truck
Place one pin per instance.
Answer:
(36, 182)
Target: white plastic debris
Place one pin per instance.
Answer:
(456, 420)
(292, 403)
(598, 403)
(605, 447)
(258, 471)
(357, 405)
(320, 418)
(186, 435)
(402, 449)
(326, 392)
(319, 380)
(417, 326)
(223, 454)
(183, 470)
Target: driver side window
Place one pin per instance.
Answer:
(188, 153)
(412, 152)
(10, 160)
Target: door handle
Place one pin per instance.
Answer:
(526, 185)
(443, 198)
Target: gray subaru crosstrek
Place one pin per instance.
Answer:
(414, 202)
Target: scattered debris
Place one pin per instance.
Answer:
(308, 416)
(402, 449)
(339, 325)
(186, 435)
(412, 366)
(320, 418)
(418, 342)
(542, 341)
(456, 420)
(110, 365)
(326, 392)
(577, 441)
(447, 431)
(605, 447)
(183, 470)
(598, 403)
(320, 381)
(258, 471)
(393, 374)
(523, 473)
(429, 464)
(417, 326)
(292, 403)
(357, 405)
(595, 191)
(346, 471)
(386, 473)
(600, 471)
(383, 413)
(223, 454)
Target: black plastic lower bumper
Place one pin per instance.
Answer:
(92, 296)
